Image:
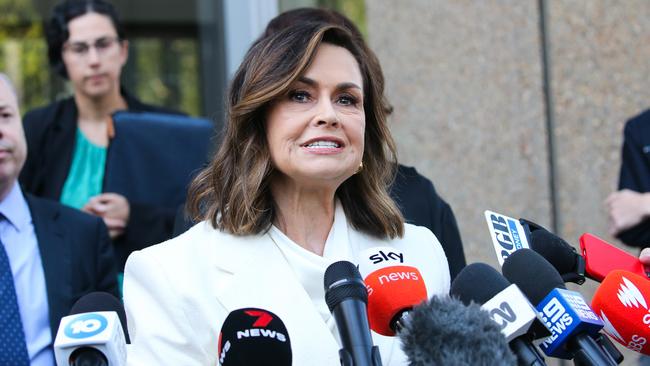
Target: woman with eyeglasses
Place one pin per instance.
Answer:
(68, 139)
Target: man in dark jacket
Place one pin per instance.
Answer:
(50, 255)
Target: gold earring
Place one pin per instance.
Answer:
(360, 168)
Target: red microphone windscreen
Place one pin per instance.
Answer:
(622, 301)
(393, 287)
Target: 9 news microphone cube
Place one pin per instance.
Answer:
(566, 314)
(99, 330)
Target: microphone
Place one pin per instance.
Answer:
(393, 288)
(565, 312)
(566, 260)
(622, 302)
(346, 297)
(444, 331)
(508, 307)
(596, 258)
(93, 333)
(253, 336)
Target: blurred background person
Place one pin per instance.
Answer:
(68, 139)
(299, 182)
(50, 254)
(629, 207)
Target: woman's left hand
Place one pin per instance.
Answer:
(626, 208)
(113, 208)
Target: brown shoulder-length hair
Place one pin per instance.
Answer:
(233, 192)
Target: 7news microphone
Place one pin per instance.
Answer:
(346, 297)
(254, 337)
(573, 324)
(93, 333)
(508, 307)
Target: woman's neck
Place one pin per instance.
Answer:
(93, 116)
(97, 109)
(304, 215)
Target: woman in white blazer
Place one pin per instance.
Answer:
(299, 182)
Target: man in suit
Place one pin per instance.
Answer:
(50, 255)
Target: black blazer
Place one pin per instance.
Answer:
(635, 172)
(420, 204)
(76, 252)
(50, 133)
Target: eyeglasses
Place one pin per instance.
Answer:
(82, 49)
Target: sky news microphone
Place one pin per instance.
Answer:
(93, 334)
(394, 288)
(507, 306)
(347, 298)
(444, 331)
(623, 302)
(572, 322)
(253, 336)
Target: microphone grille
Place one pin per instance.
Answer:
(478, 282)
(101, 301)
(554, 249)
(534, 275)
(343, 280)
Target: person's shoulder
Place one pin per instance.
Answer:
(191, 242)
(136, 105)
(66, 215)
(418, 234)
(409, 179)
(639, 122)
(39, 115)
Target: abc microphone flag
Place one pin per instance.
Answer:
(394, 287)
(623, 303)
(253, 336)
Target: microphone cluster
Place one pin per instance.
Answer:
(514, 318)
(539, 263)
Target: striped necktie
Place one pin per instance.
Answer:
(13, 350)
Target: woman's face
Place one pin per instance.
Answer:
(93, 55)
(315, 133)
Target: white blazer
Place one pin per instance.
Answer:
(177, 295)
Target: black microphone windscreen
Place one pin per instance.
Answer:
(342, 281)
(555, 250)
(478, 282)
(101, 301)
(534, 275)
(444, 331)
(253, 337)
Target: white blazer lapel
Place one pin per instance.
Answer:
(255, 274)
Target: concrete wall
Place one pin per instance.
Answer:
(466, 81)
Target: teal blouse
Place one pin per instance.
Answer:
(86, 172)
